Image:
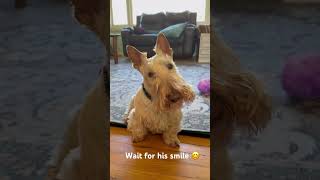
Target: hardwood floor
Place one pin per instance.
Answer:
(122, 168)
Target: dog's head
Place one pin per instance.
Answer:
(161, 77)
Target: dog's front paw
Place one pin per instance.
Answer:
(136, 139)
(171, 141)
(125, 120)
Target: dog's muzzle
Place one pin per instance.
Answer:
(173, 98)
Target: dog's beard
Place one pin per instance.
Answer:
(176, 87)
(187, 93)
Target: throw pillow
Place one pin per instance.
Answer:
(138, 30)
(174, 31)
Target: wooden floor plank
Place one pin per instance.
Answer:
(122, 168)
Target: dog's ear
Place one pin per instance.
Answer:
(163, 45)
(135, 56)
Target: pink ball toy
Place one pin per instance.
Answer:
(204, 87)
(301, 77)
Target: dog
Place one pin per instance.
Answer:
(239, 100)
(156, 107)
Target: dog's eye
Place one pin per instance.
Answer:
(150, 74)
(169, 66)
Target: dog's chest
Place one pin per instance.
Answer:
(154, 120)
(157, 122)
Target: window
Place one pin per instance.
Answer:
(124, 12)
(155, 6)
(119, 12)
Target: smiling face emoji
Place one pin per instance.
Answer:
(195, 155)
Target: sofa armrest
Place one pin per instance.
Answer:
(191, 38)
(125, 35)
(126, 32)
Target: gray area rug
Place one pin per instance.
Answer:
(289, 147)
(125, 81)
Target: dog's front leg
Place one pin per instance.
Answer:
(136, 126)
(170, 136)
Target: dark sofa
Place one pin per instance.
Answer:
(143, 36)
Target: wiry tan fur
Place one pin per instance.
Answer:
(162, 114)
(239, 100)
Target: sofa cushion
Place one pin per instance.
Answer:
(174, 31)
(153, 22)
(143, 39)
(175, 18)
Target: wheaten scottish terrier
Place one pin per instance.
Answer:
(156, 107)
